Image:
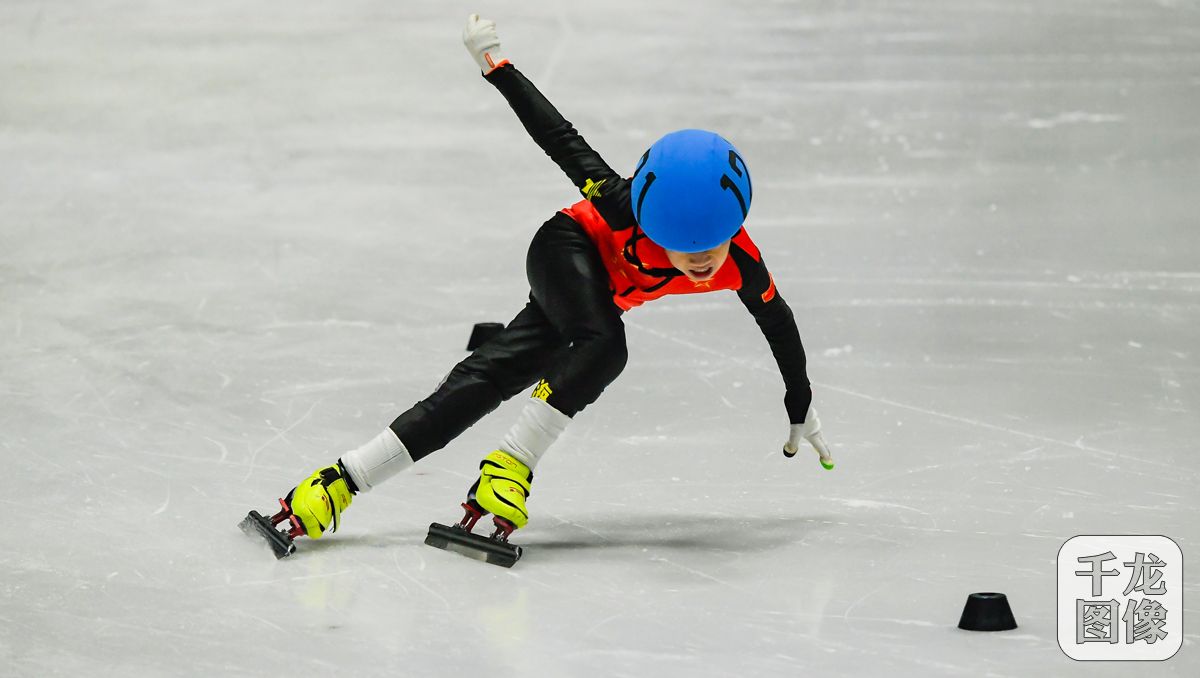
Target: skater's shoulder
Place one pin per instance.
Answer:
(757, 284)
(745, 244)
(609, 210)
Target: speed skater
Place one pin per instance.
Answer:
(674, 227)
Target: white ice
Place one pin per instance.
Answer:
(238, 238)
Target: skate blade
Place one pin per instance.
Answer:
(473, 545)
(254, 524)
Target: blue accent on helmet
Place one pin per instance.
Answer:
(691, 191)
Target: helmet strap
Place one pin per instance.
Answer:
(630, 252)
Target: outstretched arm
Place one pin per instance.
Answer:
(778, 325)
(548, 128)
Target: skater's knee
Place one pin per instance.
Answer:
(616, 351)
(478, 371)
(594, 360)
(608, 350)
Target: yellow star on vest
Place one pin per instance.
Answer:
(706, 284)
(591, 189)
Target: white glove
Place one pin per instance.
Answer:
(482, 42)
(810, 430)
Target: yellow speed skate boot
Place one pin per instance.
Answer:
(316, 504)
(501, 490)
(311, 507)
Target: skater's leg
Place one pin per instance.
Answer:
(570, 332)
(570, 285)
(502, 367)
(499, 369)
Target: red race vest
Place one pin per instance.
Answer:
(633, 287)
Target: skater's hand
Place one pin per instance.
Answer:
(810, 430)
(482, 42)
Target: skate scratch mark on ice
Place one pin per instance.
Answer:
(592, 629)
(269, 582)
(941, 467)
(91, 618)
(976, 302)
(328, 322)
(1120, 282)
(906, 622)
(871, 504)
(224, 450)
(698, 573)
(400, 568)
(1078, 444)
(585, 528)
(279, 434)
(1073, 117)
(323, 387)
(860, 601)
(260, 620)
(146, 469)
(166, 502)
(84, 471)
(385, 575)
(103, 400)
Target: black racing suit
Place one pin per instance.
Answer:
(570, 333)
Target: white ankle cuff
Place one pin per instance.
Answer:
(381, 458)
(536, 429)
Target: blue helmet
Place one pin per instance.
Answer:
(691, 191)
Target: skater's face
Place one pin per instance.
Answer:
(700, 266)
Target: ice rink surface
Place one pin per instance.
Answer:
(237, 239)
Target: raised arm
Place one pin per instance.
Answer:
(548, 128)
